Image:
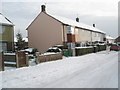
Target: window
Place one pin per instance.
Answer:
(70, 30)
(3, 46)
(2, 29)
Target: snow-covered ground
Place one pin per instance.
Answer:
(96, 70)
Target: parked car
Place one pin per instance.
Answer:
(54, 49)
(99, 43)
(59, 46)
(114, 47)
(30, 50)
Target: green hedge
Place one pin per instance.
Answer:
(82, 51)
(101, 47)
(67, 52)
(94, 49)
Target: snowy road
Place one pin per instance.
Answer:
(97, 70)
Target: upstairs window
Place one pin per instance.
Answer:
(70, 30)
(2, 29)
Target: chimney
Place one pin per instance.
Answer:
(77, 19)
(43, 8)
(93, 25)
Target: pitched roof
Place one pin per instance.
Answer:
(76, 24)
(117, 39)
(4, 20)
(109, 37)
(71, 23)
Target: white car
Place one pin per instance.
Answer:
(54, 49)
(30, 50)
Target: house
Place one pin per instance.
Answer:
(110, 39)
(117, 40)
(6, 34)
(48, 30)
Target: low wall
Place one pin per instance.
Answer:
(49, 57)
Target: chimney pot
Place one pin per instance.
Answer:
(43, 8)
(77, 19)
(93, 25)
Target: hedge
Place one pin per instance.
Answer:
(82, 51)
(67, 52)
(94, 49)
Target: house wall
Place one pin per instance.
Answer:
(85, 35)
(7, 37)
(102, 37)
(110, 40)
(65, 33)
(97, 36)
(82, 35)
(45, 32)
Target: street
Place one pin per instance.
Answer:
(96, 70)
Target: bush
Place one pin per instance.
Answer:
(82, 51)
(68, 52)
(31, 57)
(101, 47)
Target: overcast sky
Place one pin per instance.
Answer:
(104, 13)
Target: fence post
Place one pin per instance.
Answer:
(21, 59)
(17, 63)
(27, 60)
(1, 62)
